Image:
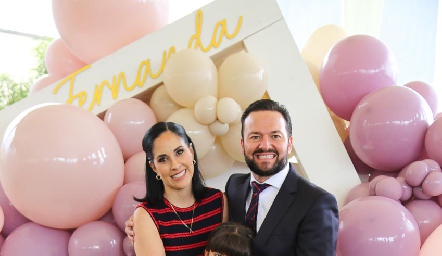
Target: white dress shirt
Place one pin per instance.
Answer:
(267, 196)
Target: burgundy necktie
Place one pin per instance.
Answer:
(253, 207)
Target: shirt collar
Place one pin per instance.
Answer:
(275, 180)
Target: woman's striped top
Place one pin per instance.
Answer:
(177, 239)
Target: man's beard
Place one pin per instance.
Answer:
(277, 166)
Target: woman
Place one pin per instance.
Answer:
(178, 212)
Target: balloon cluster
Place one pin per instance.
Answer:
(392, 135)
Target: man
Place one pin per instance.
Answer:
(294, 217)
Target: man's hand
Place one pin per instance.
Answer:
(129, 229)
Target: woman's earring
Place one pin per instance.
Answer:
(158, 177)
(194, 161)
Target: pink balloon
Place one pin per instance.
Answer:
(407, 190)
(129, 119)
(13, 218)
(376, 173)
(59, 60)
(433, 166)
(433, 141)
(374, 182)
(33, 239)
(360, 166)
(108, 217)
(428, 92)
(416, 173)
(353, 68)
(389, 187)
(377, 225)
(432, 184)
(419, 193)
(428, 215)
(64, 158)
(124, 204)
(134, 168)
(44, 81)
(105, 26)
(360, 190)
(128, 247)
(388, 127)
(96, 238)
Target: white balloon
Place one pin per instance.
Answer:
(205, 109)
(228, 110)
(217, 128)
(216, 161)
(231, 142)
(162, 104)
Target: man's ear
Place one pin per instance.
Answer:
(242, 146)
(290, 145)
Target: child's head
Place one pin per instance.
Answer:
(230, 239)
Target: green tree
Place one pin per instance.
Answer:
(12, 91)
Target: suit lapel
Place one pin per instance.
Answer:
(282, 202)
(243, 192)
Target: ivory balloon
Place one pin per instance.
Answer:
(243, 78)
(162, 104)
(232, 142)
(199, 133)
(219, 129)
(189, 75)
(205, 109)
(228, 111)
(216, 161)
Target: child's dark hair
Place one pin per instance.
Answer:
(232, 239)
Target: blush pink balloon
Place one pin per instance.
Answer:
(129, 119)
(374, 182)
(44, 81)
(353, 68)
(135, 168)
(432, 184)
(33, 239)
(376, 173)
(389, 187)
(59, 60)
(433, 166)
(416, 173)
(128, 247)
(428, 215)
(360, 166)
(13, 218)
(105, 26)
(428, 92)
(433, 141)
(124, 203)
(108, 217)
(419, 193)
(360, 190)
(64, 158)
(407, 190)
(377, 225)
(96, 238)
(388, 127)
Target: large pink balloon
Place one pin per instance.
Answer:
(96, 238)
(59, 60)
(61, 166)
(33, 239)
(129, 119)
(388, 127)
(13, 218)
(428, 215)
(433, 141)
(354, 67)
(124, 203)
(377, 225)
(428, 92)
(105, 26)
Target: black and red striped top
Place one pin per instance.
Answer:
(177, 239)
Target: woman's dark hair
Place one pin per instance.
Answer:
(232, 239)
(154, 187)
(267, 105)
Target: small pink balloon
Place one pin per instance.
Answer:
(433, 166)
(128, 247)
(416, 173)
(433, 141)
(428, 92)
(388, 127)
(129, 119)
(102, 27)
(419, 193)
(360, 190)
(44, 81)
(33, 239)
(353, 68)
(432, 184)
(407, 190)
(96, 238)
(374, 182)
(124, 204)
(59, 60)
(377, 225)
(428, 215)
(60, 155)
(389, 187)
(135, 168)
(375, 173)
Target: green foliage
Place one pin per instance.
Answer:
(12, 91)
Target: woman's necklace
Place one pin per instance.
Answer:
(191, 222)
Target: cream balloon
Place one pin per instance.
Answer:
(205, 109)
(199, 133)
(228, 110)
(242, 77)
(231, 142)
(188, 75)
(162, 104)
(216, 161)
(219, 129)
